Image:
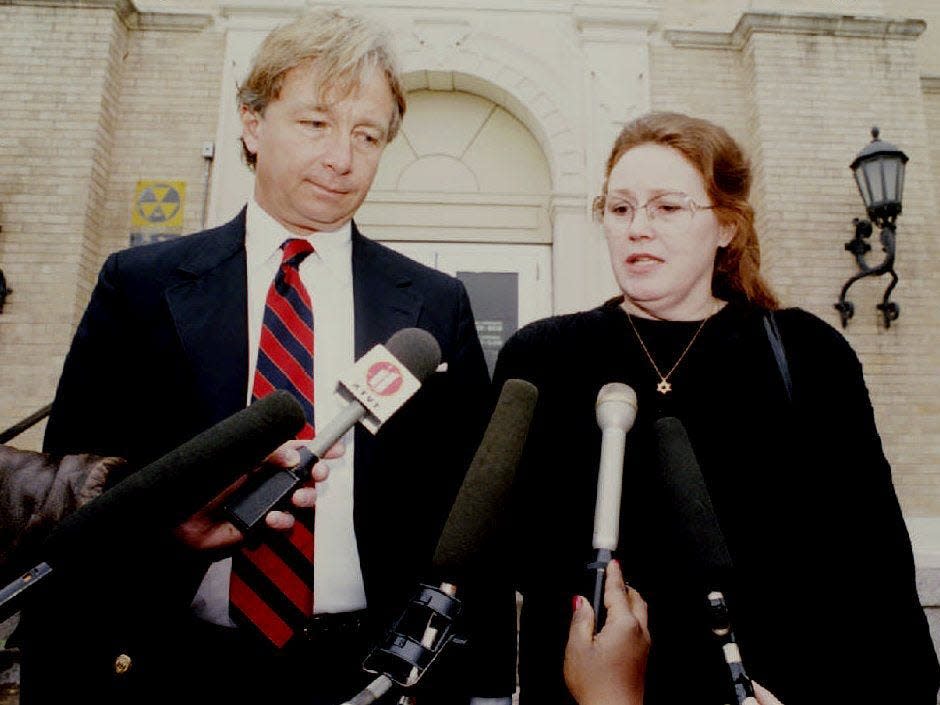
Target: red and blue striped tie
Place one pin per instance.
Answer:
(272, 583)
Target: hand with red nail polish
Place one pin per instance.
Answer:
(608, 668)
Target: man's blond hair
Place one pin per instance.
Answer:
(344, 48)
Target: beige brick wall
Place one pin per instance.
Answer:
(803, 103)
(58, 78)
(815, 100)
(932, 110)
(90, 107)
(928, 47)
(709, 83)
(169, 108)
(712, 83)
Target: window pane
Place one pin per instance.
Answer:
(891, 179)
(901, 166)
(873, 174)
(862, 185)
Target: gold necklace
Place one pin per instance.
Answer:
(664, 387)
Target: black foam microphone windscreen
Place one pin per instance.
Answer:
(485, 490)
(696, 524)
(172, 488)
(416, 349)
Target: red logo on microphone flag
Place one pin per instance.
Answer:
(384, 378)
(380, 383)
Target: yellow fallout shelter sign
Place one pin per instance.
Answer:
(157, 212)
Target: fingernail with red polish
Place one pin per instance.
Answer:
(575, 603)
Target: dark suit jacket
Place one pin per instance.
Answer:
(161, 354)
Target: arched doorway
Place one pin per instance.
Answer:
(465, 188)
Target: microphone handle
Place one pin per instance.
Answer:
(372, 692)
(598, 569)
(272, 489)
(10, 596)
(721, 628)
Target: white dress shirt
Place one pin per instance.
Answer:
(327, 274)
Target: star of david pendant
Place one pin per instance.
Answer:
(663, 387)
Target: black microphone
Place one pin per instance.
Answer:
(484, 493)
(422, 632)
(377, 386)
(166, 492)
(701, 541)
(615, 409)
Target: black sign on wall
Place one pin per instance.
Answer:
(495, 300)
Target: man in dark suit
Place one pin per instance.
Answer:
(172, 342)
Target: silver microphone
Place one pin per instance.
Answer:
(616, 412)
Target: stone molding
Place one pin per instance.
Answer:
(817, 24)
(930, 83)
(569, 203)
(168, 21)
(129, 14)
(255, 15)
(81, 4)
(122, 7)
(602, 23)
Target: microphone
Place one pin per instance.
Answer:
(167, 491)
(377, 386)
(616, 412)
(484, 493)
(422, 632)
(702, 541)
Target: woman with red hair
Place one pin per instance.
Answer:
(822, 592)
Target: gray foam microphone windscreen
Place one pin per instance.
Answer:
(175, 486)
(485, 490)
(417, 350)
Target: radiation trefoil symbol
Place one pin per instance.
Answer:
(158, 203)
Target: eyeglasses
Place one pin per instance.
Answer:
(667, 213)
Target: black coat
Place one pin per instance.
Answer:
(161, 354)
(822, 597)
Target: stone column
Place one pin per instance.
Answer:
(614, 41)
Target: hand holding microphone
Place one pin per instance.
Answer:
(378, 385)
(616, 412)
(207, 530)
(609, 667)
(161, 496)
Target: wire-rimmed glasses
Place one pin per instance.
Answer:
(668, 212)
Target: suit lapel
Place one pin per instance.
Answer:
(384, 300)
(209, 306)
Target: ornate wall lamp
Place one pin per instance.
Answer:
(879, 174)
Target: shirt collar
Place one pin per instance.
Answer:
(264, 237)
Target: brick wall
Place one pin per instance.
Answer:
(816, 98)
(803, 103)
(95, 98)
(59, 71)
(708, 83)
(932, 110)
(169, 108)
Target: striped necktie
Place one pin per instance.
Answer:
(271, 588)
